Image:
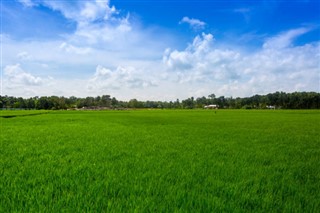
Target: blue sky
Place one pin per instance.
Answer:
(159, 50)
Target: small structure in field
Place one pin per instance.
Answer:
(271, 107)
(211, 106)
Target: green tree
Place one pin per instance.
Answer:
(134, 103)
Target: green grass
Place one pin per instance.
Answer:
(161, 161)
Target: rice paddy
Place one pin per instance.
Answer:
(160, 161)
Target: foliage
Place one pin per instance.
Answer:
(160, 161)
(282, 100)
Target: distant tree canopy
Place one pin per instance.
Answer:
(279, 100)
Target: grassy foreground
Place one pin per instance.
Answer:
(160, 161)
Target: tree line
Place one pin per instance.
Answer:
(279, 100)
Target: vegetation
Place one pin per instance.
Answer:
(161, 161)
(296, 100)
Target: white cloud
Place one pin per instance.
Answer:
(201, 62)
(96, 21)
(102, 31)
(110, 32)
(231, 72)
(122, 77)
(24, 56)
(18, 82)
(284, 39)
(83, 11)
(194, 53)
(72, 49)
(200, 69)
(195, 24)
(16, 76)
(27, 3)
(95, 10)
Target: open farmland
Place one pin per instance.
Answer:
(161, 161)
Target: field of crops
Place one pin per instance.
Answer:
(160, 161)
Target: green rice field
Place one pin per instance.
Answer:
(160, 161)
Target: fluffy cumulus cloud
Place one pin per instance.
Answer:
(102, 36)
(195, 24)
(105, 79)
(17, 81)
(277, 65)
(200, 61)
(97, 22)
(106, 32)
(82, 11)
(14, 76)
